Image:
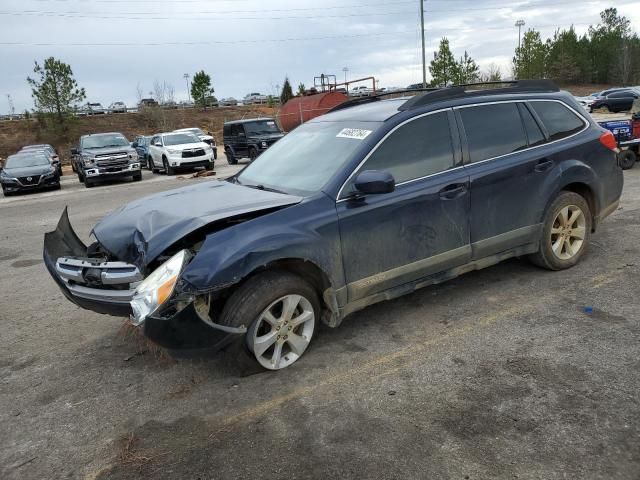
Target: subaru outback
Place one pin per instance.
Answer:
(371, 201)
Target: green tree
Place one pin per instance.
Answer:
(301, 90)
(530, 59)
(201, 88)
(443, 67)
(491, 74)
(563, 52)
(466, 70)
(287, 92)
(55, 93)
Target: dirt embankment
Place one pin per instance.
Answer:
(15, 134)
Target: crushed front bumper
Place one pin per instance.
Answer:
(93, 284)
(108, 287)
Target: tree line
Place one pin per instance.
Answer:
(607, 53)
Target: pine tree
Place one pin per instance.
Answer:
(443, 66)
(466, 70)
(287, 92)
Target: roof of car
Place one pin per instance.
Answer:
(100, 134)
(246, 120)
(367, 112)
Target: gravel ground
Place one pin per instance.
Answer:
(497, 374)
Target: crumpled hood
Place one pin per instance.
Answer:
(141, 230)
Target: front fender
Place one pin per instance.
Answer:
(306, 231)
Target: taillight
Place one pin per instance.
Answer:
(608, 140)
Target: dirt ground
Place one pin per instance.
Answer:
(498, 374)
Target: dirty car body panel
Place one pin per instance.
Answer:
(360, 248)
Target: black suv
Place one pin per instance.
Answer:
(249, 138)
(366, 203)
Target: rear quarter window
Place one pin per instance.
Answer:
(559, 121)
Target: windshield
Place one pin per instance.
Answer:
(107, 140)
(262, 127)
(195, 131)
(305, 160)
(21, 161)
(180, 138)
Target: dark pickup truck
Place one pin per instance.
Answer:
(105, 156)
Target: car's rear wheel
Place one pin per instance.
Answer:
(627, 159)
(566, 232)
(282, 312)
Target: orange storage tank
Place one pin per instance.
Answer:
(302, 109)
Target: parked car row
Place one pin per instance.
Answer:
(35, 167)
(613, 99)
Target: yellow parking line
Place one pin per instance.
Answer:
(385, 362)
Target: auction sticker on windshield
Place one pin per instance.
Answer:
(357, 133)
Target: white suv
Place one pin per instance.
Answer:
(171, 151)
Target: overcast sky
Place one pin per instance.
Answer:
(250, 45)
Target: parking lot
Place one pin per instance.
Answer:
(509, 372)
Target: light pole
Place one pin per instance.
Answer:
(519, 24)
(345, 70)
(424, 58)
(186, 77)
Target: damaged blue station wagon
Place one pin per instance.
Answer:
(366, 203)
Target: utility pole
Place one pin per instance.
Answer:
(12, 109)
(519, 24)
(424, 58)
(345, 70)
(186, 77)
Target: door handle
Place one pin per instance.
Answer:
(453, 191)
(543, 165)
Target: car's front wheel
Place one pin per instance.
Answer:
(282, 312)
(566, 231)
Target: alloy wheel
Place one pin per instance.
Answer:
(568, 232)
(282, 332)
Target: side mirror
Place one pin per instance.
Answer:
(374, 182)
(134, 144)
(74, 151)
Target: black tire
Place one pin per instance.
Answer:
(150, 165)
(231, 159)
(247, 303)
(545, 257)
(168, 169)
(627, 159)
(209, 166)
(137, 177)
(80, 178)
(253, 154)
(89, 183)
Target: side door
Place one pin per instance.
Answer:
(242, 147)
(155, 150)
(509, 163)
(419, 229)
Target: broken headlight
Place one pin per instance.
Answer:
(157, 288)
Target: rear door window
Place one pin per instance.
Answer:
(559, 121)
(419, 148)
(534, 134)
(493, 130)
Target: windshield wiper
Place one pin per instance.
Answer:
(262, 187)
